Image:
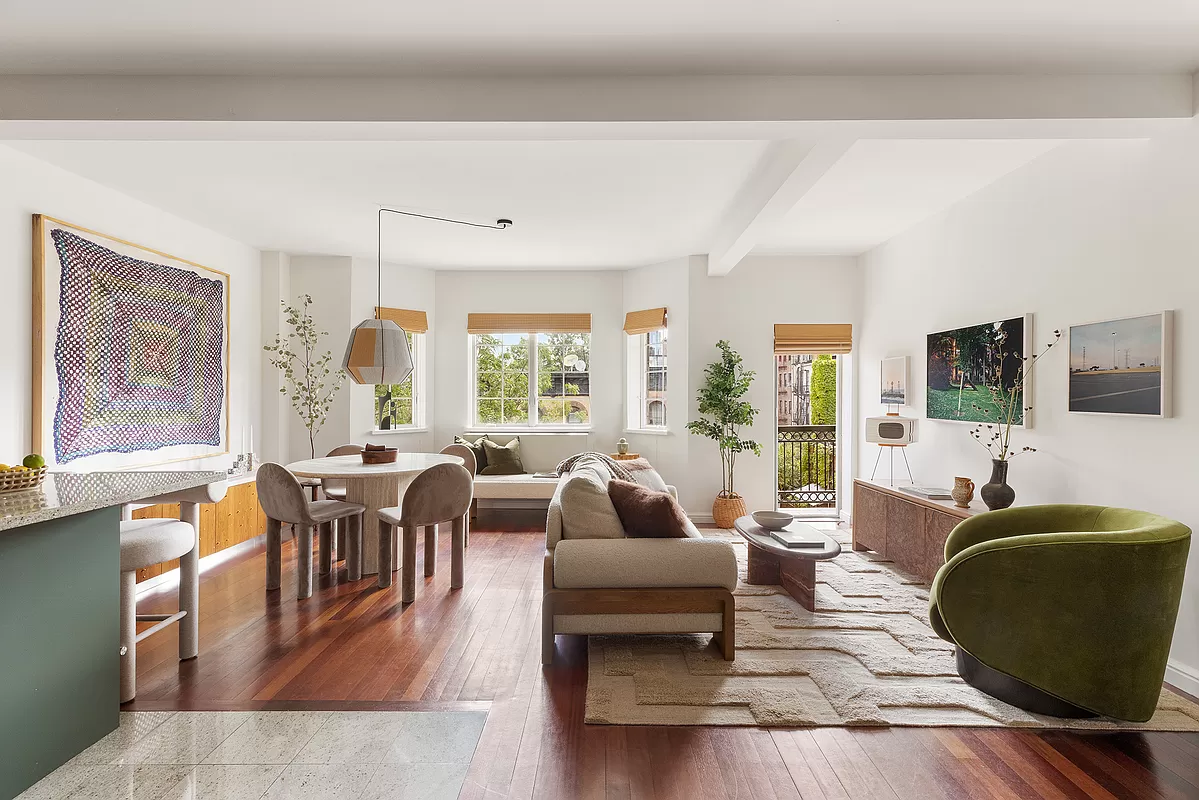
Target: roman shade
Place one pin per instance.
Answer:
(411, 321)
(815, 339)
(528, 323)
(651, 319)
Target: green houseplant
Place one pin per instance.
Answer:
(306, 374)
(721, 401)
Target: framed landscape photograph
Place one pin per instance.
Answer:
(1122, 366)
(968, 366)
(893, 390)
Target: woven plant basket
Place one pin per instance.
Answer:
(725, 510)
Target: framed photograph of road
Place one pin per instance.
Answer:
(1122, 366)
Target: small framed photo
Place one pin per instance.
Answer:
(893, 389)
(1122, 366)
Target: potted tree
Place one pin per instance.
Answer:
(308, 380)
(721, 402)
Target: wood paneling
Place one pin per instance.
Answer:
(354, 647)
(236, 519)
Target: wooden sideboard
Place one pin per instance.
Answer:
(236, 519)
(907, 529)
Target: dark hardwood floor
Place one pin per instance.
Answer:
(352, 646)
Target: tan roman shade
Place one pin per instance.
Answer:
(528, 323)
(833, 339)
(411, 321)
(651, 319)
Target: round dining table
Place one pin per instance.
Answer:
(375, 486)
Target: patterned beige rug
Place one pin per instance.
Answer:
(866, 657)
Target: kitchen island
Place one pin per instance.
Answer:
(60, 613)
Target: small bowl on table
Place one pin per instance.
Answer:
(773, 520)
(378, 454)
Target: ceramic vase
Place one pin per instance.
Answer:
(996, 493)
(622, 447)
(963, 492)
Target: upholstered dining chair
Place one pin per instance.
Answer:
(282, 498)
(472, 466)
(334, 488)
(439, 494)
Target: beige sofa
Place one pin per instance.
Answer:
(598, 581)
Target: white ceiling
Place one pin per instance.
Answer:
(881, 187)
(576, 204)
(616, 36)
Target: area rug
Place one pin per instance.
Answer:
(867, 656)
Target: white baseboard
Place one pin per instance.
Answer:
(704, 518)
(846, 517)
(1183, 677)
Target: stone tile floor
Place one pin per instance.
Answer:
(246, 755)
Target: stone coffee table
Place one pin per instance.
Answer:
(793, 568)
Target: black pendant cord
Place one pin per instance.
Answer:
(500, 224)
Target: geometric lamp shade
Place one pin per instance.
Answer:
(378, 353)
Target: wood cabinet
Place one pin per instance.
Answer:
(236, 519)
(909, 530)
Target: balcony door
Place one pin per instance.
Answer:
(806, 445)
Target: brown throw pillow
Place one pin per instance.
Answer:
(646, 514)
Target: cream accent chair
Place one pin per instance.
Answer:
(618, 585)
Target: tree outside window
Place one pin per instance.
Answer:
(504, 376)
(395, 404)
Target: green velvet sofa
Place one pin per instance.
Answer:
(1063, 609)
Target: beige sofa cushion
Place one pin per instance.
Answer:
(587, 511)
(644, 564)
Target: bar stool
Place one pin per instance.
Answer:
(472, 466)
(145, 542)
(282, 498)
(442, 493)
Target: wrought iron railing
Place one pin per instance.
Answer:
(807, 466)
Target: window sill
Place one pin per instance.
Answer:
(409, 429)
(647, 431)
(539, 431)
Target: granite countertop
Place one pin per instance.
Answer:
(65, 493)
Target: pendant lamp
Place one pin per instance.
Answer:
(378, 348)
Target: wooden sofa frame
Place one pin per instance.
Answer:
(635, 601)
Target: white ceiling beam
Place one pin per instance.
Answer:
(784, 175)
(580, 100)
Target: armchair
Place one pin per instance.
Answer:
(1065, 610)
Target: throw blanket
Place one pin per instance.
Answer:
(617, 469)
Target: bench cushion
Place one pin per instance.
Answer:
(514, 487)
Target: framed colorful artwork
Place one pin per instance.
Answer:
(130, 352)
(967, 367)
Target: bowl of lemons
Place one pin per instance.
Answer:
(29, 474)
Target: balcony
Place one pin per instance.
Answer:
(807, 466)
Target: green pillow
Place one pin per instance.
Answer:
(477, 448)
(502, 459)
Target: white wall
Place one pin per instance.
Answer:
(743, 308)
(327, 280)
(600, 293)
(1092, 230)
(29, 186)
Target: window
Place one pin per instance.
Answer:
(531, 379)
(647, 380)
(401, 405)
